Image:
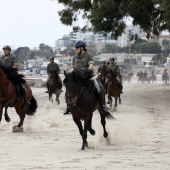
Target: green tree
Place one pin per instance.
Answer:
(148, 47)
(166, 47)
(45, 51)
(107, 16)
(22, 53)
(112, 49)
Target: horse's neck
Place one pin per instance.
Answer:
(3, 79)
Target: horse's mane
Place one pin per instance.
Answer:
(12, 74)
(111, 72)
(84, 76)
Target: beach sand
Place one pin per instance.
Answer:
(139, 138)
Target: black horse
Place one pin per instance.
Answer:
(82, 101)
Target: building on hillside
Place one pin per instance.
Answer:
(37, 71)
(31, 63)
(124, 39)
(62, 43)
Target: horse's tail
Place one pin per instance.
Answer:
(107, 112)
(32, 107)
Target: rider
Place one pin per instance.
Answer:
(53, 67)
(10, 60)
(102, 69)
(116, 70)
(82, 60)
(145, 74)
(166, 72)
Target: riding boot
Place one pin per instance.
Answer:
(24, 96)
(67, 111)
(119, 84)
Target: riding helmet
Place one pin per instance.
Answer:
(80, 44)
(51, 58)
(7, 47)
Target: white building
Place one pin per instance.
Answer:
(123, 41)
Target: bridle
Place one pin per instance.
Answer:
(76, 97)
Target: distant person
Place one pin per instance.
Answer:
(11, 61)
(102, 69)
(145, 74)
(53, 67)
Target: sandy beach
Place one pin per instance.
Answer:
(139, 138)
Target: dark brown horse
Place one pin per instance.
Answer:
(113, 90)
(81, 100)
(11, 97)
(54, 86)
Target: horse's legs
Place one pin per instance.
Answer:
(50, 97)
(120, 101)
(6, 105)
(110, 100)
(1, 110)
(115, 102)
(22, 117)
(103, 122)
(92, 131)
(79, 125)
(21, 114)
(84, 135)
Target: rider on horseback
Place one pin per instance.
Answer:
(83, 60)
(53, 67)
(102, 69)
(116, 70)
(10, 60)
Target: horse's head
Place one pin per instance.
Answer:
(73, 87)
(110, 75)
(75, 83)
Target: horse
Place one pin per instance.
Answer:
(127, 77)
(11, 96)
(54, 86)
(113, 89)
(152, 79)
(142, 78)
(165, 78)
(81, 100)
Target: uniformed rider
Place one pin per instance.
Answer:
(11, 61)
(102, 69)
(83, 60)
(116, 70)
(53, 67)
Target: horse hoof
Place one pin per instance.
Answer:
(105, 135)
(86, 144)
(17, 129)
(8, 120)
(93, 132)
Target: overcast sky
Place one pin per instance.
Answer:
(30, 22)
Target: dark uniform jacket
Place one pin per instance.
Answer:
(9, 61)
(82, 61)
(102, 70)
(53, 67)
(114, 68)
